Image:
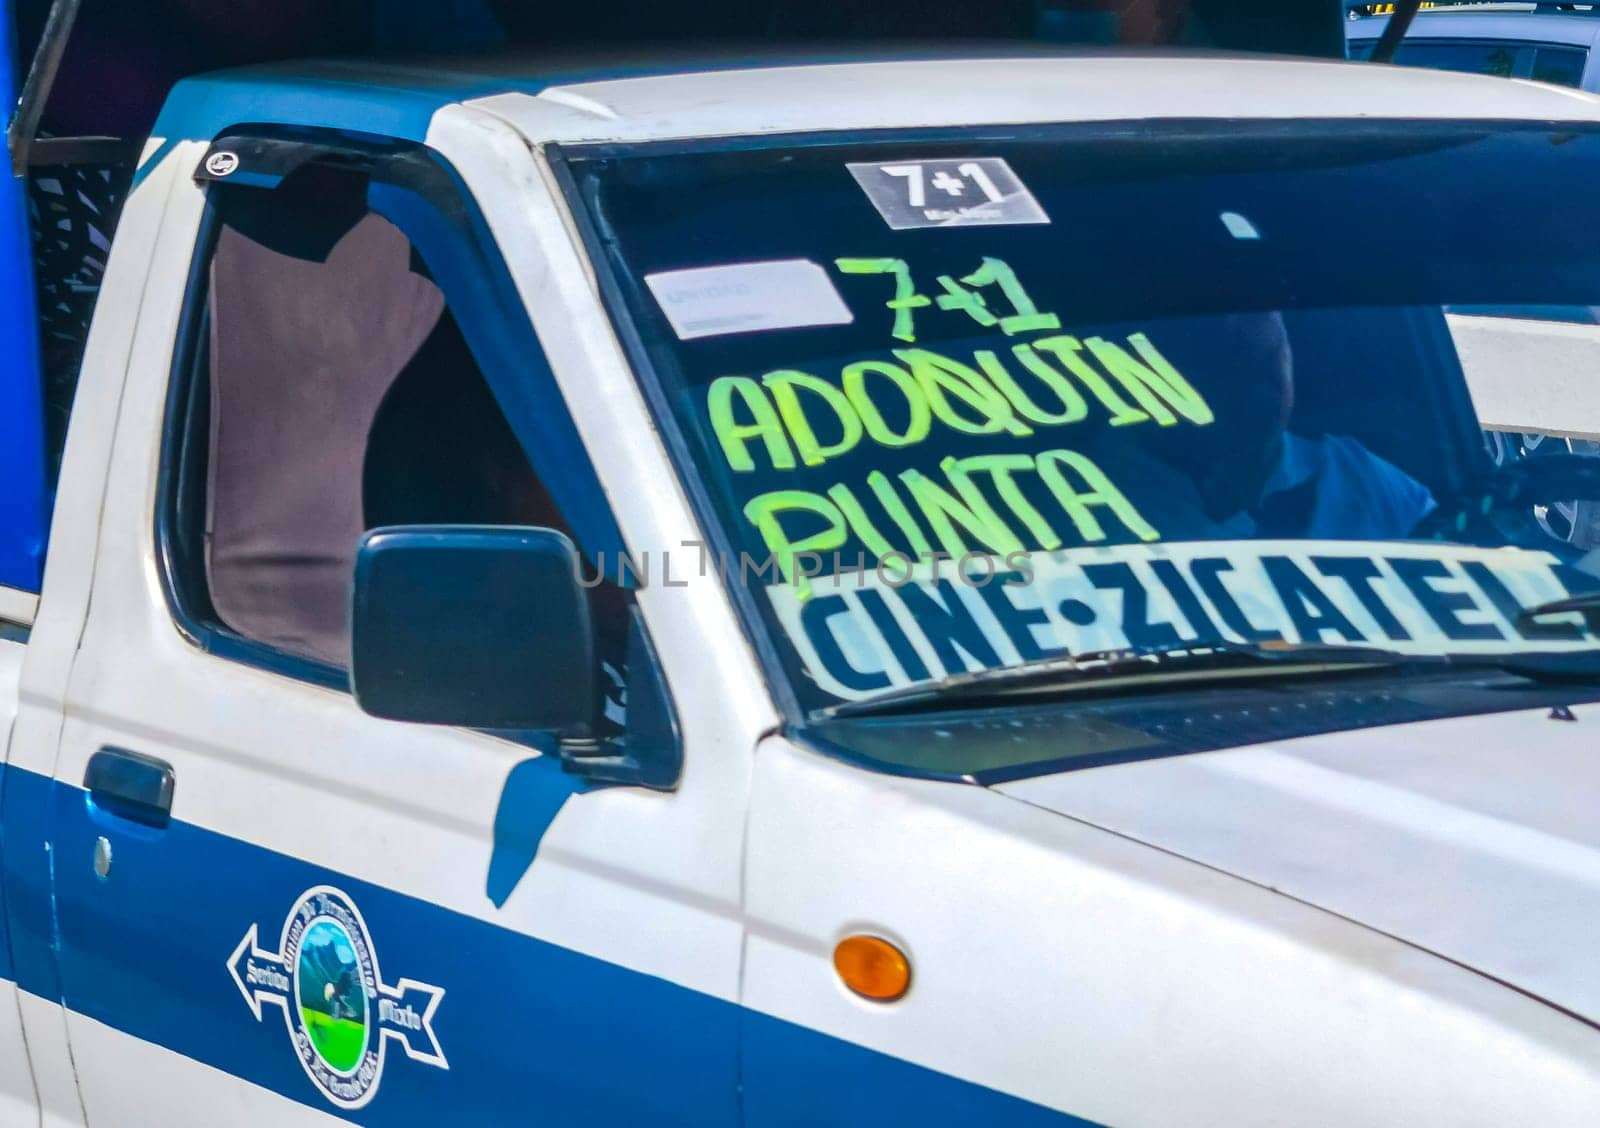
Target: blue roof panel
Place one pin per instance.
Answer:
(393, 102)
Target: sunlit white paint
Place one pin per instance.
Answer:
(978, 92)
(1531, 375)
(1472, 838)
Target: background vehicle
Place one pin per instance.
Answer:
(1518, 369)
(1545, 42)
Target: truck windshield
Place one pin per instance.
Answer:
(954, 403)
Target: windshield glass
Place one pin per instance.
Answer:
(958, 404)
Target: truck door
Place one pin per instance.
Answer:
(270, 903)
(19, 1101)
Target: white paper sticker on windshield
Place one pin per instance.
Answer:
(748, 297)
(860, 633)
(947, 193)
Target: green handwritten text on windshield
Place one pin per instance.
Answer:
(791, 420)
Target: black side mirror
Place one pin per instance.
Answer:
(483, 627)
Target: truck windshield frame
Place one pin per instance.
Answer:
(1416, 305)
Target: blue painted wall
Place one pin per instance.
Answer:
(24, 501)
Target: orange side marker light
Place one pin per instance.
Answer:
(873, 968)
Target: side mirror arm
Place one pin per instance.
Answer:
(649, 753)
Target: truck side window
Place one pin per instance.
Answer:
(439, 450)
(301, 354)
(333, 392)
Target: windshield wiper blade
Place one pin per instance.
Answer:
(1097, 665)
(1585, 603)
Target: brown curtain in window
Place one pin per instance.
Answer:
(301, 355)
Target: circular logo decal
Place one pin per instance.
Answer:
(222, 163)
(333, 1007)
(342, 1017)
(335, 992)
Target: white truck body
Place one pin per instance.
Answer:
(1388, 926)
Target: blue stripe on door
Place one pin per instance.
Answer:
(534, 1033)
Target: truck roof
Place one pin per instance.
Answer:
(575, 100)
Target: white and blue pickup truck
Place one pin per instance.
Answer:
(948, 592)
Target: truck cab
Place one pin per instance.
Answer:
(929, 591)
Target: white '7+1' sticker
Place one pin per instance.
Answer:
(947, 193)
